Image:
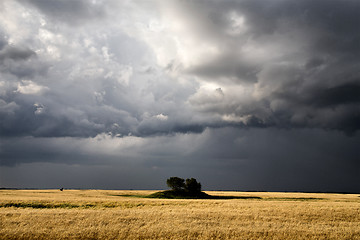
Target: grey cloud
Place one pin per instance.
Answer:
(19, 60)
(7, 108)
(2, 44)
(77, 111)
(146, 129)
(56, 119)
(70, 12)
(228, 68)
(3, 41)
(15, 53)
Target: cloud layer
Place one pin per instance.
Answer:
(86, 68)
(76, 71)
(224, 159)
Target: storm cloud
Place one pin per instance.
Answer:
(77, 72)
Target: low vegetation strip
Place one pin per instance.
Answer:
(44, 205)
(36, 205)
(160, 195)
(296, 199)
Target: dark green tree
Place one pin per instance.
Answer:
(192, 186)
(175, 183)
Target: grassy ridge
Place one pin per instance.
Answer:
(171, 194)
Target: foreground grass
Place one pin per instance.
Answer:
(98, 214)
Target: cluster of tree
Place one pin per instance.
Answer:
(189, 185)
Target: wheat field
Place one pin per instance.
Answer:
(105, 214)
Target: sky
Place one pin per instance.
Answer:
(247, 95)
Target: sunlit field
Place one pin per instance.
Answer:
(102, 214)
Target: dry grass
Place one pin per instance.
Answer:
(101, 214)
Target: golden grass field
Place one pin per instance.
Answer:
(103, 214)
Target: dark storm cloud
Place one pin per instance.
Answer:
(185, 79)
(248, 94)
(285, 64)
(303, 60)
(283, 159)
(64, 150)
(265, 159)
(343, 94)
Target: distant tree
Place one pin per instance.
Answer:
(192, 186)
(175, 183)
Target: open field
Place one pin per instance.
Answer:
(103, 214)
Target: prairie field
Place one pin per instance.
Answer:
(113, 214)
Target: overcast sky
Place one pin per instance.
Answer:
(242, 95)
